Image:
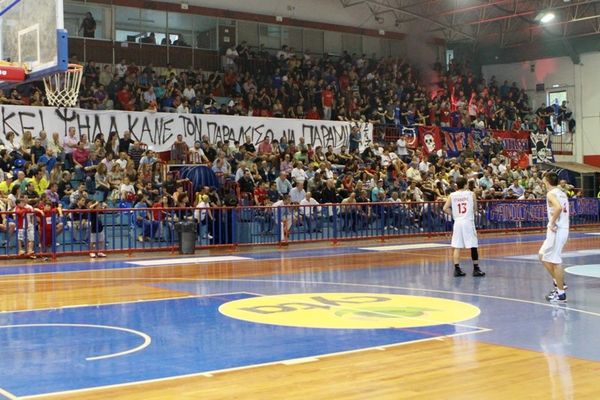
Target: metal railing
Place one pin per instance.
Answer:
(75, 232)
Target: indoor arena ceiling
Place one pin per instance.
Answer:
(503, 23)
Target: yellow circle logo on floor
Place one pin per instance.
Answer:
(349, 310)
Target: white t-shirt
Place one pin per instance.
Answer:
(189, 93)
(308, 211)
(230, 55)
(70, 143)
(299, 175)
(121, 69)
(124, 188)
(401, 147)
(200, 213)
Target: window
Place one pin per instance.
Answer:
(181, 29)
(313, 41)
(333, 42)
(560, 126)
(248, 31)
(75, 13)
(292, 37)
(137, 25)
(205, 32)
(270, 36)
(449, 57)
(352, 43)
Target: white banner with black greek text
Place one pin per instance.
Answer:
(159, 130)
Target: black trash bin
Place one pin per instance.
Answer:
(186, 232)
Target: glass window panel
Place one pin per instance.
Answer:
(292, 37)
(397, 47)
(127, 24)
(270, 36)
(333, 42)
(313, 41)
(372, 44)
(181, 29)
(137, 25)
(152, 21)
(352, 43)
(205, 32)
(75, 13)
(248, 31)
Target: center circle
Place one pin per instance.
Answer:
(588, 270)
(349, 310)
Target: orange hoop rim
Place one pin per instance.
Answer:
(74, 67)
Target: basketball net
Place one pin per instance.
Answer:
(62, 88)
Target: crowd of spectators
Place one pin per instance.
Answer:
(255, 82)
(49, 171)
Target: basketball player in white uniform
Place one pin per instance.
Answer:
(461, 205)
(557, 234)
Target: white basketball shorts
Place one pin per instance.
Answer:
(464, 235)
(551, 250)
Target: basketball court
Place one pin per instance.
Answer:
(361, 320)
(379, 319)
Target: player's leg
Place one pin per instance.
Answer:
(475, 259)
(457, 244)
(471, 242)
(456, 258)
(550, 256)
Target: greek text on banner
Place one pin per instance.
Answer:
(159, 130)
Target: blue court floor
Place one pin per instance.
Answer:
(237, 323)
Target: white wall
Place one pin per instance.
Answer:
(328, 11)
(582, 83)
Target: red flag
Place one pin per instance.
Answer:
(430, 139)
(515, 145)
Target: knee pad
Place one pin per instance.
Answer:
(474, 254)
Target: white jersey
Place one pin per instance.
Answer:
(463, 207)
(563, 219)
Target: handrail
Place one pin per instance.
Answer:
(143, 229)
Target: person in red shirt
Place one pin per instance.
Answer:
(46, 222)
(313, 113)
(445, 116)
(327, 100)
(260, 194)
(81, 156)
(25, 223)
(265, 146)
(126, 99)
(161, 214)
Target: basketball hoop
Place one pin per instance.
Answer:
(62, 88)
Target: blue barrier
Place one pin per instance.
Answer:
(129, 230)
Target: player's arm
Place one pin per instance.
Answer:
(448, 206)
(474, 202)
(556, 210)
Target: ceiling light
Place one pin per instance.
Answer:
(545, 16)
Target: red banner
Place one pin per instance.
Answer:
(430, 139)
(515, 145)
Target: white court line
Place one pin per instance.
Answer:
(187, 260)
(568, 254)
(408, 289)
(416, 246)
(8, 395)
(430, 322)
(281, 362)
(592, 233)
(303, 360)
(128, 301)
(146, 343)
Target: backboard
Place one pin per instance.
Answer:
(31, 34)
